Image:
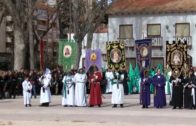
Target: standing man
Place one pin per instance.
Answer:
(145, 90)
(177, 92)
(27, 87)
(80, 79)
(117, 89)
(68, 90)
(45, 94)
(95, 89)
(159, 93)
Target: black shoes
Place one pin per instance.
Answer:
(115, 106)
(121, 105)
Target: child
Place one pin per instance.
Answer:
(27, 87)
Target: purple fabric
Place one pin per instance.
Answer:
(159, 97)
(145, 95)
(89, 62)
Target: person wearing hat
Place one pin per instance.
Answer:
(45, 94)
(80, 79)
(27, 87)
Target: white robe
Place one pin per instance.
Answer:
(45, 96)
(118, 92)
(80, 89)
(26, 85)
(69, 99)
(109, 76)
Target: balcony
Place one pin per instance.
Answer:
(129, 43)
(9, 18)
(188, 39)
(9, 39)
(9, 28)
(157, 42)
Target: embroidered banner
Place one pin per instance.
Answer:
(177, 59)
(143, 52)
(67, 54)
(116, 55)
(93, 57)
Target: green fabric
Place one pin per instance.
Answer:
(137, 78)
(131, 81)
(67, 62)
(152, 73)
(160, 66)
(167, 80)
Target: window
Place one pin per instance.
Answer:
(126, 32)
(153, 30)
(182, 29)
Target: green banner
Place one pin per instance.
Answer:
(67, 54)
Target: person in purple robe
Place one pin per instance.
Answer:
(159, 93)
(145, 89)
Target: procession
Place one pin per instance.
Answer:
(81, 89)
(97, 62)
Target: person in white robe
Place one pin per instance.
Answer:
(80, 79)
(109, 77)
(45, 94)
(68, 90)
(117, 89)
(27, 87)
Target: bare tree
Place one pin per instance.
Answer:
(17, 10)
(86, 16)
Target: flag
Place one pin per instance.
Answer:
(93, 57)
(67, 54)
(131, 81)
(143, 52)
(116, 55)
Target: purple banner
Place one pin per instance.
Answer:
(93, 57)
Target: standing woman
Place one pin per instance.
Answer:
(145, 90)
(117, 89)
(68, 90)
(80, 79)
(27, 87)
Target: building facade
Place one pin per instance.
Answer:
(160, 20)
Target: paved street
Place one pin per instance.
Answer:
(13, 113)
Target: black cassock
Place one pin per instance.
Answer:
(188, 100)
(177, 92)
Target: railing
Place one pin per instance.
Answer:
(188, 39)
(130, 43)
(157, 41)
